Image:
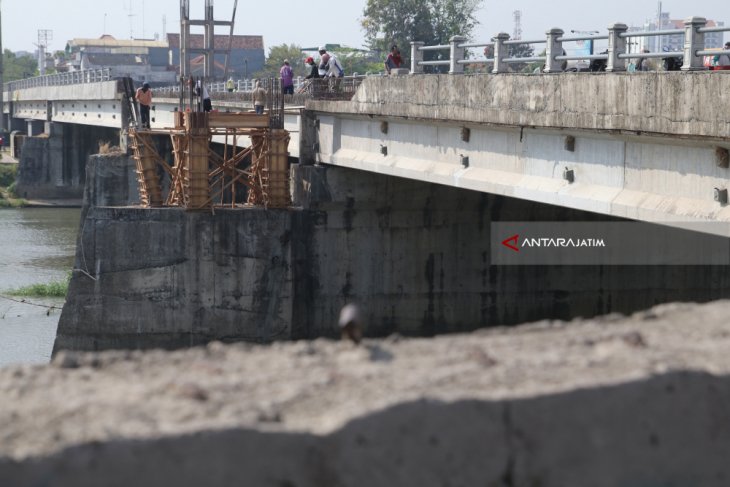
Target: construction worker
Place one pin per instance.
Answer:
(144, 98)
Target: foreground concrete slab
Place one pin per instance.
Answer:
(612, 401)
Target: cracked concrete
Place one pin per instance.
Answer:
(611, 401)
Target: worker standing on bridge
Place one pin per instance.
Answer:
(259, 97)
(324, 59)
(230, 85)
(144, 98)
(310, 69)
(202, 92)
(287, 78)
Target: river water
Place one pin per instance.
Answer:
(37, 246)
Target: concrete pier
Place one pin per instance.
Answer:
(414, 255)
(52, 165)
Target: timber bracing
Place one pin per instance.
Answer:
(201, 177)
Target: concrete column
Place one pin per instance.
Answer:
(616, 46)
(416, 57)
(554, 48)
(693, 41)
(196, 170)
(34, 127)
(457, 54)
(278, 170)
(500, 52)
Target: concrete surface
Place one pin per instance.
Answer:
(52, 166)
(693, 104)
(416, 255)
(640, 401)
(644, 145)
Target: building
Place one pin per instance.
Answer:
(247, 54)
(140, 59)
(159, 61)
(675, 42)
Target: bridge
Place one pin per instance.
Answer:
(396, 183)
(647, 146)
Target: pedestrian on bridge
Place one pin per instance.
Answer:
(287, 78)
(394, 59)
(144, 98)
(230, 85)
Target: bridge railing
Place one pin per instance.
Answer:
(319, 89)
(614, 59)
(70, 78)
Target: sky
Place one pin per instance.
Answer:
(311, 22)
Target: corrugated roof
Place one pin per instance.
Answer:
(110, 41)
(220, 41)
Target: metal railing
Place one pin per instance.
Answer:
(70, 78)
(614, 59)
(321, 88)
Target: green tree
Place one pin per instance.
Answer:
(276, 57)
(522, 50)
(357, 60)
(15, 68)
(388, 22)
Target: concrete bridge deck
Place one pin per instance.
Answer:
(645, 146)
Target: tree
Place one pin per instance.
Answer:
(521, 50)
(357, 60)
(400, 22)
(16, 68)
(276, 57)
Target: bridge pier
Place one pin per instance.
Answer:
(415, 255)
(35, 127)
(52, 165)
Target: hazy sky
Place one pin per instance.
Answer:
(310, 22)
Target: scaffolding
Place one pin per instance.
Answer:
(201, 175)
(241, 172)
(209, 49)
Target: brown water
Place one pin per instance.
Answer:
(36, 246)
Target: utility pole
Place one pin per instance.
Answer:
(44, 35)
(2, 85)
(517, 16)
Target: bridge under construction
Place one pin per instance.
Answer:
(199, 176)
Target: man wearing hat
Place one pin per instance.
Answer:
(324, 61)
(287, 78)
(310, 69)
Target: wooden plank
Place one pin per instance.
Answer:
(237, 120)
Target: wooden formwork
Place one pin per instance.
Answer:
(278, 169)
(150, 191)
(201, 178)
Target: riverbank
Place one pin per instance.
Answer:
(8, 198)
(38, 246)
(549, 404)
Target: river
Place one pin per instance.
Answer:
(37, 246)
